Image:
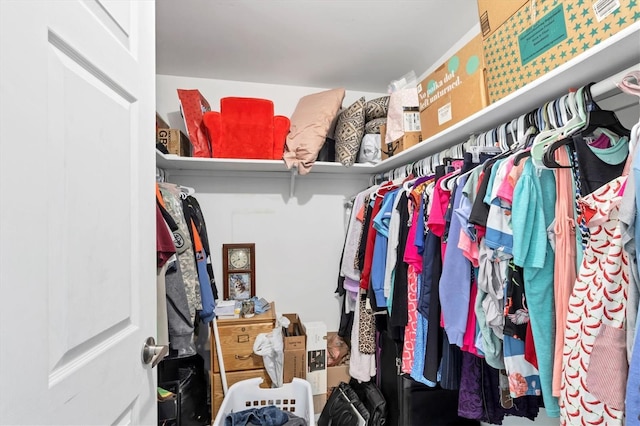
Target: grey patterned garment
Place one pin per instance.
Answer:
(184, 248)
(349, 132)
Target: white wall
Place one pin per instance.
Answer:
(298, 240)
(285, 98)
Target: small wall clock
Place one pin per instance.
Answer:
(239, 271)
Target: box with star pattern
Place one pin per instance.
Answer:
(543, 35)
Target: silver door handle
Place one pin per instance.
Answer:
(152, 353)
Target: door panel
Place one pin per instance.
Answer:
(77, 235)
(114, 15)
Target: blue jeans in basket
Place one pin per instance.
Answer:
(264, 416)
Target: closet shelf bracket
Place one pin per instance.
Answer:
(292, 182)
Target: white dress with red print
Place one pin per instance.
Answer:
(594, 354)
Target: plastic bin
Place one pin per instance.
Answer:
(294, 397)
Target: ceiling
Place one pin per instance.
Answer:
(360, 45)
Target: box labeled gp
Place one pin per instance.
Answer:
(174, 141)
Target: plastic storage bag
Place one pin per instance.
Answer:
(271, 347)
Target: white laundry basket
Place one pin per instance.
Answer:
(295, 397)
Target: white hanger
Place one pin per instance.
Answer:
(580, 117)
(458, 151)
(564, 109)
(634, 138)
(550, 134)
(186, 191)
(502, 137)
(512, 129)
(469, 142)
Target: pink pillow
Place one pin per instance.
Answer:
(310, 123)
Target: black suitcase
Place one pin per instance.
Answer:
(410, 403)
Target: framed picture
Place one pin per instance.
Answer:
(238, 264)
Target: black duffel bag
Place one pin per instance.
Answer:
(373, 401)
(343, 408)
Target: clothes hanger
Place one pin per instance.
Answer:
(561, 126)
(628, 85)
(595, 118)
(549, 134)
(525, 151)
(565, 110)
(482, 145)
(578, 108)
(186, 191)
(502, 137)
(512, 130)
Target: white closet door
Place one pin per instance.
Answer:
(77, 219)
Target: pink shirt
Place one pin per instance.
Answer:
(411, 255)
(505, 190)
(469, 339)
(439, 203)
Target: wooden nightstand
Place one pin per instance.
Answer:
(236, 339)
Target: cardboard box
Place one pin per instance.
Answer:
(175, 141)
(160, 123)
(527, 45)
(316, 358)
(493, 13)
(454, 91)
(319, 401)
(295, 349)
(390, 149)
(335, 375)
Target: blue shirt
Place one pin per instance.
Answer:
(533, 210)
(455, 281)
(381, 225)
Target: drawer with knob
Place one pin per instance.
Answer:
(236, 341)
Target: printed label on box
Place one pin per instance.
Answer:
(411, 120)
(604, 8)
(543, 35)
(444, 114)
(316, 360)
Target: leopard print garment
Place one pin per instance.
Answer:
(366, 329)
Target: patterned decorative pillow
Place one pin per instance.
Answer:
(373, 126)
(376, 108)
(349, 132)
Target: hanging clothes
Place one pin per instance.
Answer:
(455, 282)
(478, 278)
(172, 295)
(184, 247)
(191, 204)
(165, 251)
(565, 258)
(594, 358)
(534, 200)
